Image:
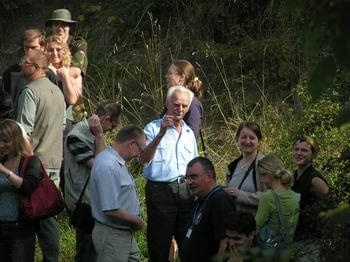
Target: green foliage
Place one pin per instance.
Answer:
(253, 58)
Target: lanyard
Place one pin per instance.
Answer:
(198, 213)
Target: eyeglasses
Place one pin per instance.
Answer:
(138, 147)
(25, 62)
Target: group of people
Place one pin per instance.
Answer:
(43, 114)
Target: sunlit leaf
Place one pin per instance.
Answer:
(344, 116)
(322, 77)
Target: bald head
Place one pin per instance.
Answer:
(38, 57)
(34, 64)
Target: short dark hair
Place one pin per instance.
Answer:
(240, 221)
(114, 110)
(128, 133)
(205, 163)
(252, 126)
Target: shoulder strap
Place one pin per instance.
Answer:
(246, 174)
(24, 164)
(232, 166)
(83, 191)
(277, 202)
(202, 140)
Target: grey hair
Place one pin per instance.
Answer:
(180, 89)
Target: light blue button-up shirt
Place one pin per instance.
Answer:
(173, 152)
(112, 187)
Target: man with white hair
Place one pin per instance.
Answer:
(171, 144)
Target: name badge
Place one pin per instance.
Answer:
(189, 232)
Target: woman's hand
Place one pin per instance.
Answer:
(232, 191)
(62, 72)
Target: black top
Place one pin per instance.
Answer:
(309, 223)
(203, 242)
(303, 186)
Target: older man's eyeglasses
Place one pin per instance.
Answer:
(25, 62)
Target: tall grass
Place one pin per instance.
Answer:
(136, 81)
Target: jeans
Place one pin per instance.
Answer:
(15, 247)
(49, 231)
(169, 207)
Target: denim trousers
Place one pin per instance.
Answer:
(15, 247)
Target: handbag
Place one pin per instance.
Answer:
(45, 201)
(268, 238)
(81, 216)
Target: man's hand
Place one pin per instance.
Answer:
(139, 223)
(167, 121)
(95, 125)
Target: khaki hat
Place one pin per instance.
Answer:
(62, 15)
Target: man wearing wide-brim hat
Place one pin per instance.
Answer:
(61, 23)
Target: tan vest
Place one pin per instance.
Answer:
(47, 135)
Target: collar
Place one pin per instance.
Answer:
(119, 159)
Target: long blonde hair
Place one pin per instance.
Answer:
(10, 130)
(67, 57)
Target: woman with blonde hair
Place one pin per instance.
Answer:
(17, 235)
(278, 208)
(60, 60)
(182, 73)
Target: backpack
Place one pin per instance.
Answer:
(45, 201)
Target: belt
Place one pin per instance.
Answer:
(177, 180)
(119, 228)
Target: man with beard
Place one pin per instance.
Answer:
(171, 144)
(41, 110)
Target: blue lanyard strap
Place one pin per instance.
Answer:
(198, 213)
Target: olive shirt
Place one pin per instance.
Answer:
(268, 214)
(78, 49)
